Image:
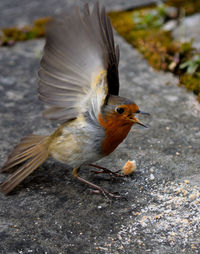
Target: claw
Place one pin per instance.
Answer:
(112, 174)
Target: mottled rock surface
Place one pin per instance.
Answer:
(50, 212)
(189, 29)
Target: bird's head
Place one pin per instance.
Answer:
(121, 111)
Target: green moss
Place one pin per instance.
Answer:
(189, 6)
(143, 29)
(122, 21)
(191, 82)
(155, 44)
(11, 35)
(156, 47)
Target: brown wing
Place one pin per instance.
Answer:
(79, 66)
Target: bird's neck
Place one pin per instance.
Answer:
(115, 132)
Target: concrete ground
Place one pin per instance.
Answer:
(50, 212)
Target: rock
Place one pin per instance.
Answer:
(189, 29)
(50, 212)
(170, 25)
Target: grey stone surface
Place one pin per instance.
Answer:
(21, 12)
(50, 212)
(189, 29)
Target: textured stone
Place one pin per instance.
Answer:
(188, 30)
(50, 212)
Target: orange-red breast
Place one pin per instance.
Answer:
(78, 77)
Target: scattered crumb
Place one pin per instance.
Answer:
(170, 218)
(152, 177)
(151, 170)
(119, 237)
(158, 216)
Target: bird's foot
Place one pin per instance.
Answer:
(103, 170)
(95, 188)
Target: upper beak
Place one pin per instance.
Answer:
(142, 112)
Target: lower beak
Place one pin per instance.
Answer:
(135, 120)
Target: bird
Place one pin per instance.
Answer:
(78, 79)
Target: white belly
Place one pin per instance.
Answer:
(77, 145)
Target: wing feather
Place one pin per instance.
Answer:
(79, 67)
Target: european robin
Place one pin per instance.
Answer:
(78, 78)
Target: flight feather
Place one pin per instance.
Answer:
(79, 67)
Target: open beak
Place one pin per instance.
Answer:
(135, 120)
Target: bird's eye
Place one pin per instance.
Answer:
(120, 110)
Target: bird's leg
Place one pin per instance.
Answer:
(97, 189)
(106, 171)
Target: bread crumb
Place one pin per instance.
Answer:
(129, 167)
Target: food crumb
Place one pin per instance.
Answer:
(129, 167)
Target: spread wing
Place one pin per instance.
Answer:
(79, 67)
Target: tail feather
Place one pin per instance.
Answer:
(32, 151)
(16, 160)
